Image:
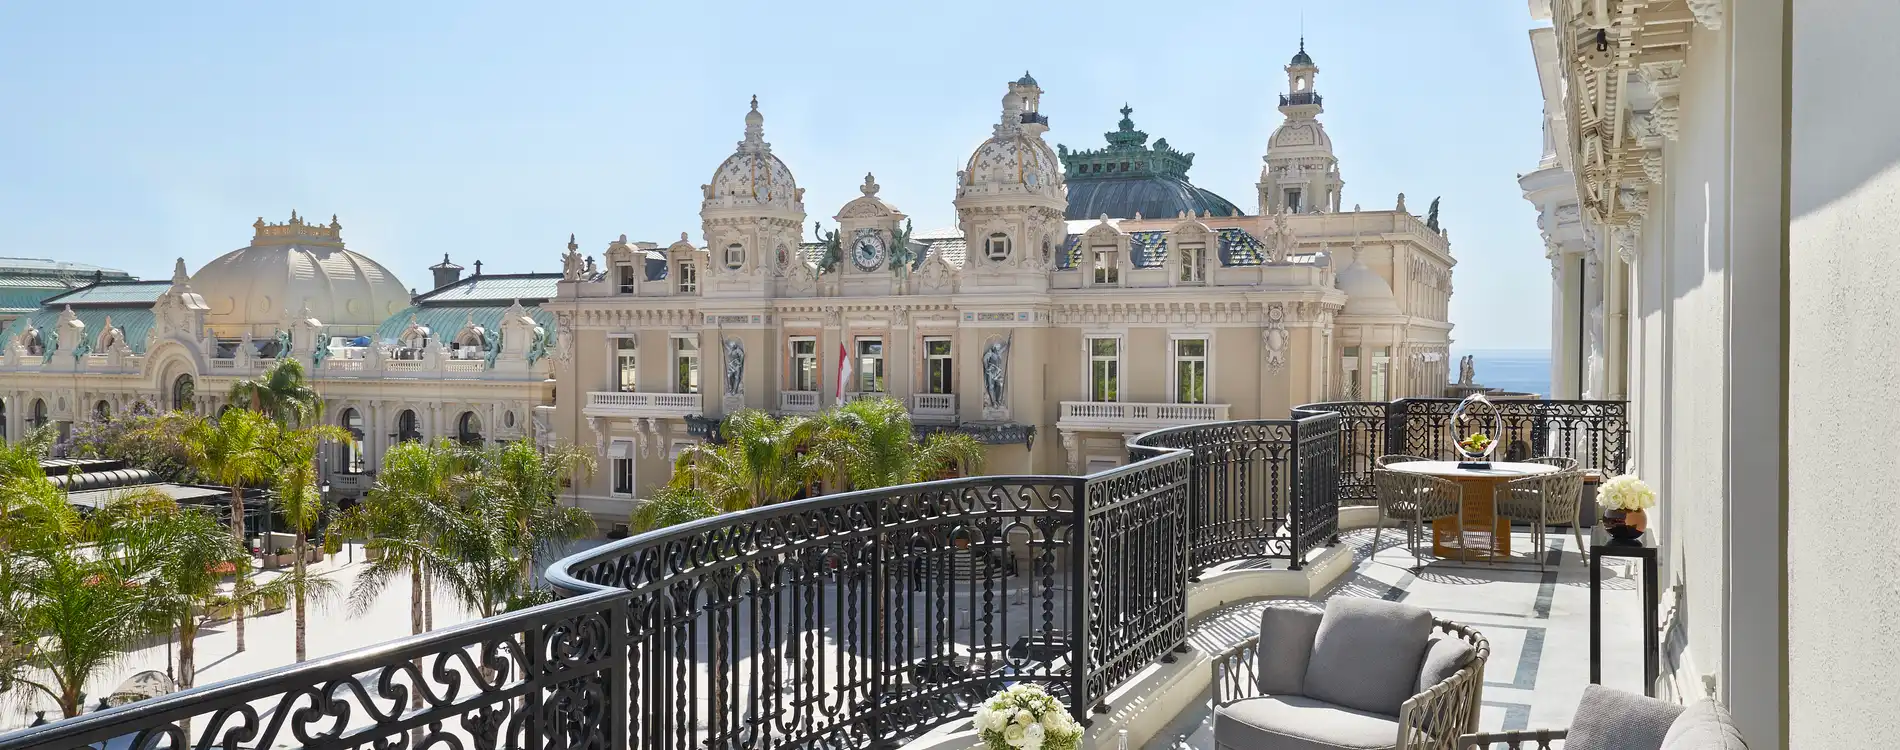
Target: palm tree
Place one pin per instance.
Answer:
(762, 462)
(231, 451)
(523, 481)
(180, 555)
(671, 505)
(280, 392)
(293, 456)
(396, 519)
(74, 600)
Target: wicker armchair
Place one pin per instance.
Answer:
(1563, 463)
(1395, 458)
(1613, 718)
(1534, 739)
(1433, 718)
(1541, 500)
(1423, 498)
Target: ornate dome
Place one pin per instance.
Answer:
(1366, 291)
(1300, 57)
(1129, 178)
(1014, 159)
(752, 177)
(289, 267)
(1301, 136)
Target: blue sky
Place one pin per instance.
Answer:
(135, 134)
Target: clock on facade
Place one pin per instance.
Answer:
(868, 254)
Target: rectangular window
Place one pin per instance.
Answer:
(1349, 366)
(626, 364)
(1190, 371)
(685, 364)
(1293, 200)
(627, 280)
(622, 454)
(804, 363)
(688, 277)
(1193, 264)
(937, 365)
(1381, 365)
(1104, 368)
(870, 365)
(1106, 269)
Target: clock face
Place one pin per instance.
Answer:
(868, 253)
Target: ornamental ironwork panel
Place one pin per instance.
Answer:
(1362, 429)
(548, 677)
(1595, 433)
(1239, 498)
(868, 617)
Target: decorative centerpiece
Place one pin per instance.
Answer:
(1474, 423)
(1023, 717)
(1626, 501)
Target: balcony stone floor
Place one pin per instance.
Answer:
(1538, 623)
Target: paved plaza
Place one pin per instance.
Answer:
(1538, 623)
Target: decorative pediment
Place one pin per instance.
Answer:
(936, 276)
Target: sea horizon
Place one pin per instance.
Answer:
(1517, 370)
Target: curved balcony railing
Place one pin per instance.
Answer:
(861, 618)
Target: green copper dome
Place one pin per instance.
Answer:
(1129, 178)
(1300, 57)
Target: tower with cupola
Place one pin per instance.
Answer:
(1300, 175)
(874, 240)
(1011, 198)
(752, 217)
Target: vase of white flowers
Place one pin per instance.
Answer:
(1024, 717)
(1626, 500)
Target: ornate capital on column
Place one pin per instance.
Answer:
(1708, 13)
(1626, 243)
(1633, 201)
(1653, 166)
(1665, 117)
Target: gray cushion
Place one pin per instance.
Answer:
(1286, 642)
(1367, 653)
(1292, 722)
(1444, 656)
(1614, 720)
(1704, 725)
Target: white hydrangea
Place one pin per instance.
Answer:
(1025, 717)
(1626, 492)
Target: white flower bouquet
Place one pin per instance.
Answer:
(1626, 493)
(1024, 717)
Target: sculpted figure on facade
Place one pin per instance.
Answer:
(572, 266)
(735, 366)
(996, 373)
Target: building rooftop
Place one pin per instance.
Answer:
(1129, 178)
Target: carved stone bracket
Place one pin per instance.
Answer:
(1707, 12)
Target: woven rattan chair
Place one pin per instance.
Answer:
(1544, 499)
(1261, 702)
(1563, 463)
(1422, 497)
(1397, 458)
(1606, 717)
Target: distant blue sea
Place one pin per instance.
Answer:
(1524, 370)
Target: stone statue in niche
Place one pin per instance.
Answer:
(735, 366)
(996, 373)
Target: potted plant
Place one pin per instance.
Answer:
(272, 601)
(1024, 717)
(1627, 500)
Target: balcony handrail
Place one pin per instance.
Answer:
(226, 711)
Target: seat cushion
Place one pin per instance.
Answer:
(1614, 720)
(1704, 725)
(1444, 656)
(1292, 722)
(1367, 653)
(1286, 643)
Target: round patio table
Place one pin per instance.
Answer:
(1485, 535)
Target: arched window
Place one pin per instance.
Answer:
(468, 429)
(352, 458)
(37, 418)
(407, 428)
(102, 411)
(184, 389)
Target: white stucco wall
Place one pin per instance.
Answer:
(1844, 380)
(1695, 308)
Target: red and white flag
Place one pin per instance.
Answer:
(844, 369)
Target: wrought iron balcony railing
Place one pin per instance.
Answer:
(1299, 97)
(856, 619)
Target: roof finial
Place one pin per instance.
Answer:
(478, 268)
(755, 100)
(571, 246)
(870, 185)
